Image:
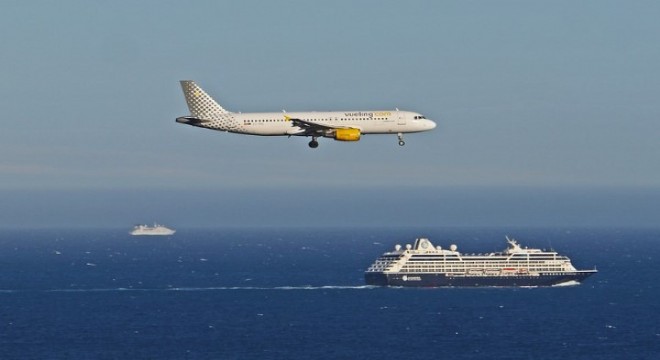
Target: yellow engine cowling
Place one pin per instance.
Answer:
(347, 134)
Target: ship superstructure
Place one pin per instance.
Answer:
(423, 264)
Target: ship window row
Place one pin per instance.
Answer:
(384, 262)
(488, 258)
(440, 268)
(379, 267)
(484, 266)
(438, 260)
(477, 261)
(492, 272)
(479, 264)
(487, 263)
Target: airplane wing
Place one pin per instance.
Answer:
(312, 128)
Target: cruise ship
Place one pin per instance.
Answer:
(151, 230)
(423, 264)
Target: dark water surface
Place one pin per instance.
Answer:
(299, 293)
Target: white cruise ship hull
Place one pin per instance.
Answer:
(442, 280)
(153, 233)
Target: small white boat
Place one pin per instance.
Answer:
(152, 230)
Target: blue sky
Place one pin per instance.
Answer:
(559, 95)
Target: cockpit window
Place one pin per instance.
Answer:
(419, 117)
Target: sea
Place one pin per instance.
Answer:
(299, 293)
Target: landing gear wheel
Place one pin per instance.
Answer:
(400, 136)
(401, 142)
(313, 144)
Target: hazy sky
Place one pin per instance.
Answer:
(540, 94)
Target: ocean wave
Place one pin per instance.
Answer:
(567, 283)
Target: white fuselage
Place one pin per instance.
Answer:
(278, 123)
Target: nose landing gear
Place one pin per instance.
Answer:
(400, 136)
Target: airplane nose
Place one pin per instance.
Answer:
(431, 124)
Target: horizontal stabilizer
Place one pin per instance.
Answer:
(191, 120)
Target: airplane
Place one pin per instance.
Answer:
(339, 125)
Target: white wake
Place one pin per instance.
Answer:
(221, 288)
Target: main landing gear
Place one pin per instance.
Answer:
(313, 144)
(400, 136)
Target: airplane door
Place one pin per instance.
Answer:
(401, 118)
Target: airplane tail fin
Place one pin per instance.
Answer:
(201, 105)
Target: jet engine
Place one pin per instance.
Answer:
(347, 134)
